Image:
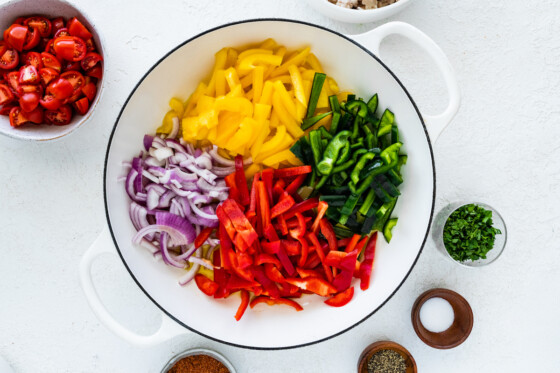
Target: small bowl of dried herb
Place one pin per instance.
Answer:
(198, 360)
(470, 234)
(386, 357)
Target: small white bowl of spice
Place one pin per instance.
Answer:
(359, 11)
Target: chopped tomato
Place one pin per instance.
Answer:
(17, 117)
(90, 45)
(6, 94)
(5, 109)
(341, 299)
(206, 285)
(49, 102)
(60, 117)
(29, 101)
(60, 88)
(76, 28)
(32, 39)
(49, 48)
(51, 61)
(34, 59)
(272, 302)
(47, 75)
(75, 78)
(57, 24)
(95, 72)
(9, 59)
(30, 88)
(82, 106)
(70, 48)
(61, 32)
(29, 75)
(42, 25)
(15, 35)
(89, 90)
(3, 47)
(12, 78)
(71, 66)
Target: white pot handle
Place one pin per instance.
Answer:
(104, 245)
(372, 40)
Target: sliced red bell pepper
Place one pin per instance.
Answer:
(252, 211)
(301, 207)
(346, 265)
(206, 285)
(360, 245)
(268, 285)
(264, 206)
(313, 261)
(321, 210)
(328, 232)
(203, 236)
(353, 242)
(270, 233)
(343, 242)
(267, 176)
(283, 173)
(220, 276)
(240, 222)
(289, 290)
(312, 237)
(304, 251)
(244, 260)
(304, 273)
(237, 283)
(226, 248)
(286, 263)
(341, 299)
(232, 185)
(241, 182)
(271, 247)
(245, 297)
(267, 258)
(313, 284)
(367, 264)
(273, 273)
(283, 225)
(298, 231)
(282, 206)
(278, 189)
(272, 302)
(226, 223)
(292, 247)
(294, 185)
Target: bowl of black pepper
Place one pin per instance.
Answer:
(198, 360)
(386, 357)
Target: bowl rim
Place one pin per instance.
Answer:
(254, 20)
(100, 86)
(352, 12)
(198, 351)
(495, 214)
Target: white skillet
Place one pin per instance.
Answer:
(353, 63)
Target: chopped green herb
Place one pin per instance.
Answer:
(469, 234)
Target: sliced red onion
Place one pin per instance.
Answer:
(151, 161)
(150, 177)
(152, 200)
(158, 142)
(207, 187)
(205, 174)
(211, 250)
(165, 199)
(228, 162)
(202, 262)
(223, 171)
(148, 142)
(178, 223)
(175, 145)
(129, 186)
(166, 255)
(161, 153)
(175, 129)
(153, 249)
(201, 213)
(204, 161)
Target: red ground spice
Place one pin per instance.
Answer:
(198, 364)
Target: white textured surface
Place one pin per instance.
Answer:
(501, 148)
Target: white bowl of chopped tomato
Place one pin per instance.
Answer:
(358, 11)
(51, 69)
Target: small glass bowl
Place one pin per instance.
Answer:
(497, 220)
(198, 351)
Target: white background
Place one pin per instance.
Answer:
(502, 148)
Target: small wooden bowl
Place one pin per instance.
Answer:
(386, 345)
(457, 333)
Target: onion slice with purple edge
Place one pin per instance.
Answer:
(175, 190)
